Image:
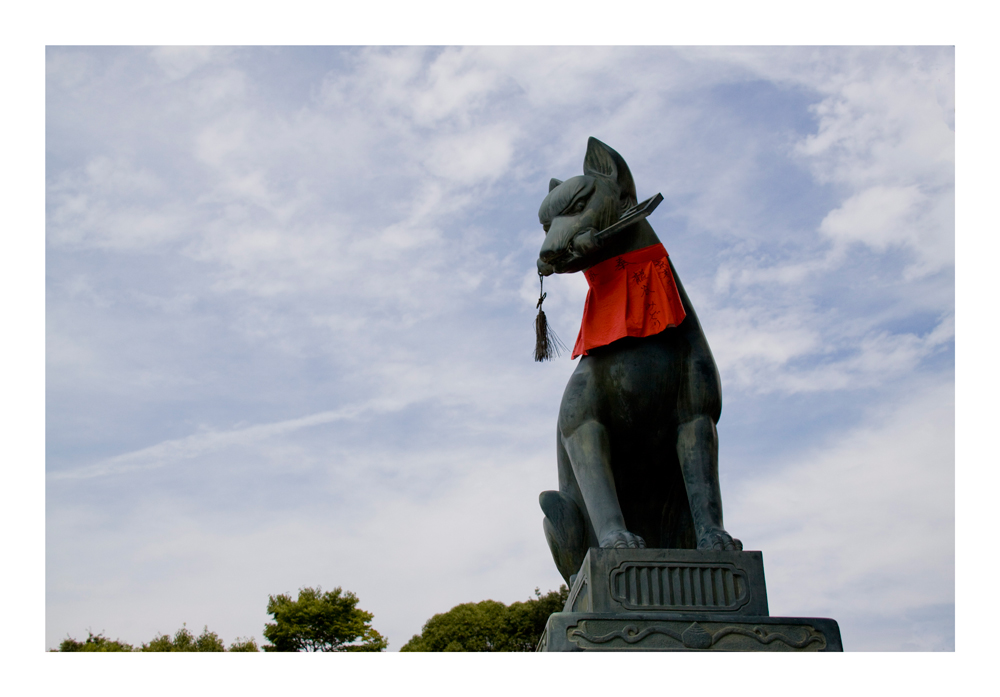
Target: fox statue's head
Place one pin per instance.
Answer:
(576, 209)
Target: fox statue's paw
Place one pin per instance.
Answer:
(622, 539)
(720, 540)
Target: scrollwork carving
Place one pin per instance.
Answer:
(697, 636)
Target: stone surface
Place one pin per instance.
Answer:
(678, 600)
(669, 580)
(571, 631)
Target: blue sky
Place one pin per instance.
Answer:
(289, 306)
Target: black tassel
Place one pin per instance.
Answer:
(547, 344)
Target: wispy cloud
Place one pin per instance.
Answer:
(175, 451)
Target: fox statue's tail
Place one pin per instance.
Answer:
(565, 531)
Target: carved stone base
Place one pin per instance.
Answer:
(678, 600)
(576, 631)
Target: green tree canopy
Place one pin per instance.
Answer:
(241, 644)
(94, 642)
(489, 625)
(183, 640)
(319, 621)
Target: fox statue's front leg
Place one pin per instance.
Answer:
(698, 455)
(585, 512)
(698, 407)
(589, 450)
(587, 445)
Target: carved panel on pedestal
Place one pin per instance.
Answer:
(679, 586)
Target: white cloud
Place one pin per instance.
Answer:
(225, 137)
(112, 203)
(888, 118)
(883, 217)
(472, 157)
(178, 62)
(877, 216)
(890, 139)
(745, 343)
(783, 351)
(862, 527)
(885, 140)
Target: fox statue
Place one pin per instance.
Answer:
(636, 441)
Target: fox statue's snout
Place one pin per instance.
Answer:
(571, 215)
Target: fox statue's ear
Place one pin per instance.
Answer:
(602, 161)
(553, 183)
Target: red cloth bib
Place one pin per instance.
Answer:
(630, 295)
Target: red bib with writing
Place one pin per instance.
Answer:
(633, 294)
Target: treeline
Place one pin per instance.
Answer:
(183, 640)
(332, 621)
(315, 621)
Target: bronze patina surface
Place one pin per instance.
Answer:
(636, 443)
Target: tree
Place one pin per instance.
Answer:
(489, 625)
(466, 627)
(319, 621)
(94, 642)
(526, 619)
(241, 644)
(185, 641)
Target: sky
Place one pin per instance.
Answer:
(289, 306)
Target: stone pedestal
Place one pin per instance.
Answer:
(677, 600)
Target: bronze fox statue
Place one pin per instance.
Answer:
(636, 441)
